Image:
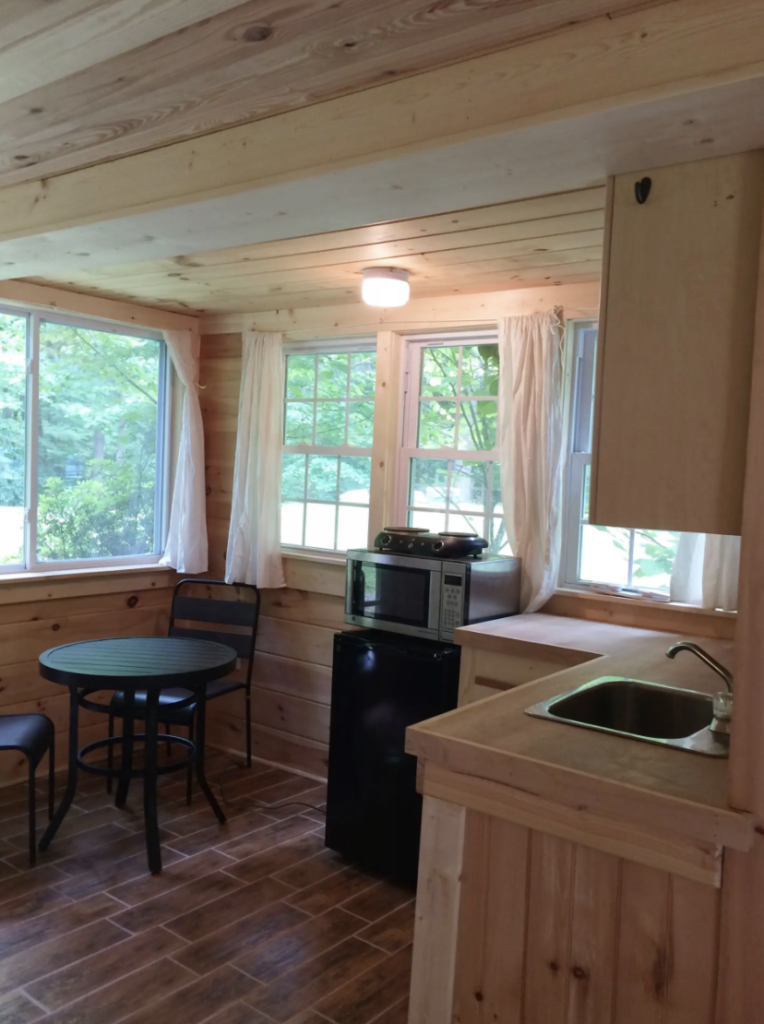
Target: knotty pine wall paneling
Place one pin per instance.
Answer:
(38, 614)
(291, 688)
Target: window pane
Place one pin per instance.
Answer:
(293, 476)
(480, 370)
(332, 376)
(355, 479)
(322, 477)
(292, 513)
(330, 423)
(361, 424)
(477, 426)
(432, 521)
(97, 458)
(585, 493)
(498, 543)
(469, 487)
(654, 554)
(353, 528)
(298, 426)
(429, 478)
(363, 374)
(466, 524)
(301, 376)
(497, 505)
(13, 345)
(604, 555)
(440, 371)
(437, 424)
(319, 525)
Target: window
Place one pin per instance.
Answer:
(82, 443)
(328, 432)
(612, 556)
(450, 459)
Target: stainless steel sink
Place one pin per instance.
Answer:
(643, 711)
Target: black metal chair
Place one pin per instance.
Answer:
(35, 736)
(212, 611)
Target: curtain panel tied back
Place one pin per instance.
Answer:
(531, 405)
(254, 537)
(186, 545)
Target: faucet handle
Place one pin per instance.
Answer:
(722, 722)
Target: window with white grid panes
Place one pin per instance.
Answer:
(328, 432)
(450, 456)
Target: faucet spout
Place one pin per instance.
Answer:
(686, 645)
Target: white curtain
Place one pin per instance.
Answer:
(254, 538)
(530, 447)
(186, 547)
(705, 571)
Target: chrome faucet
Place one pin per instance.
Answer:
(722, 705)
(686, 645)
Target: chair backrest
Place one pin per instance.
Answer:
(217, 610)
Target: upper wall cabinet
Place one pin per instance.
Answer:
(675, 346)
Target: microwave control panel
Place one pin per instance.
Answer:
(452, 602)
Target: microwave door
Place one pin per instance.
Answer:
(399, 594)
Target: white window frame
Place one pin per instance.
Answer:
(316, 348)
(415, 346)
(34, 318)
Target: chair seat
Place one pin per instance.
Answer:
(171, 696)
(32, 734)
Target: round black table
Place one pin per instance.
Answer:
(131, 664)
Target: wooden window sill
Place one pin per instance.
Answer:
(322, 557)
(642, 613)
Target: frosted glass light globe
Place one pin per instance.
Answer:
(385, 286)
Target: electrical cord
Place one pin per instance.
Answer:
(260, 805)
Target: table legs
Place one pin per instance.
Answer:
(128, 736)
(153, 846)
(201, 717)
(150, 773)
(71, 781)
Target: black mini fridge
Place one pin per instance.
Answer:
(382, 683)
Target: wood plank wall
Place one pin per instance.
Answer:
(292, 674)
(38, 614)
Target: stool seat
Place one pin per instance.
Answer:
(31, 734)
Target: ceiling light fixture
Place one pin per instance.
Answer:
(385, 286)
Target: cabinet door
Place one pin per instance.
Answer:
(675, 346)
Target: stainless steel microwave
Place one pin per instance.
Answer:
(428, 597)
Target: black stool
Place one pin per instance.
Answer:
(34, 736)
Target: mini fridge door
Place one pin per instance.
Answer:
(382, 683)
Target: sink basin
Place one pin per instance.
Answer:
(644, 711)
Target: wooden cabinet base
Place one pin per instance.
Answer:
(518, 926)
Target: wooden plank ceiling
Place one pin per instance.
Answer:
(541, 241)
(84, 81)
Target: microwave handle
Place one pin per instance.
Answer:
(355, 588)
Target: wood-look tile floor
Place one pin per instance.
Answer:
(251, 922)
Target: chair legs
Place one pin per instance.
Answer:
(190, 770)
(168, 744)
(249, 729)
(32, 815)
(110, 751)
(51, 780)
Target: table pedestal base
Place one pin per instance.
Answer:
(126, 771)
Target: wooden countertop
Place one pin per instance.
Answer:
(655, 785)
